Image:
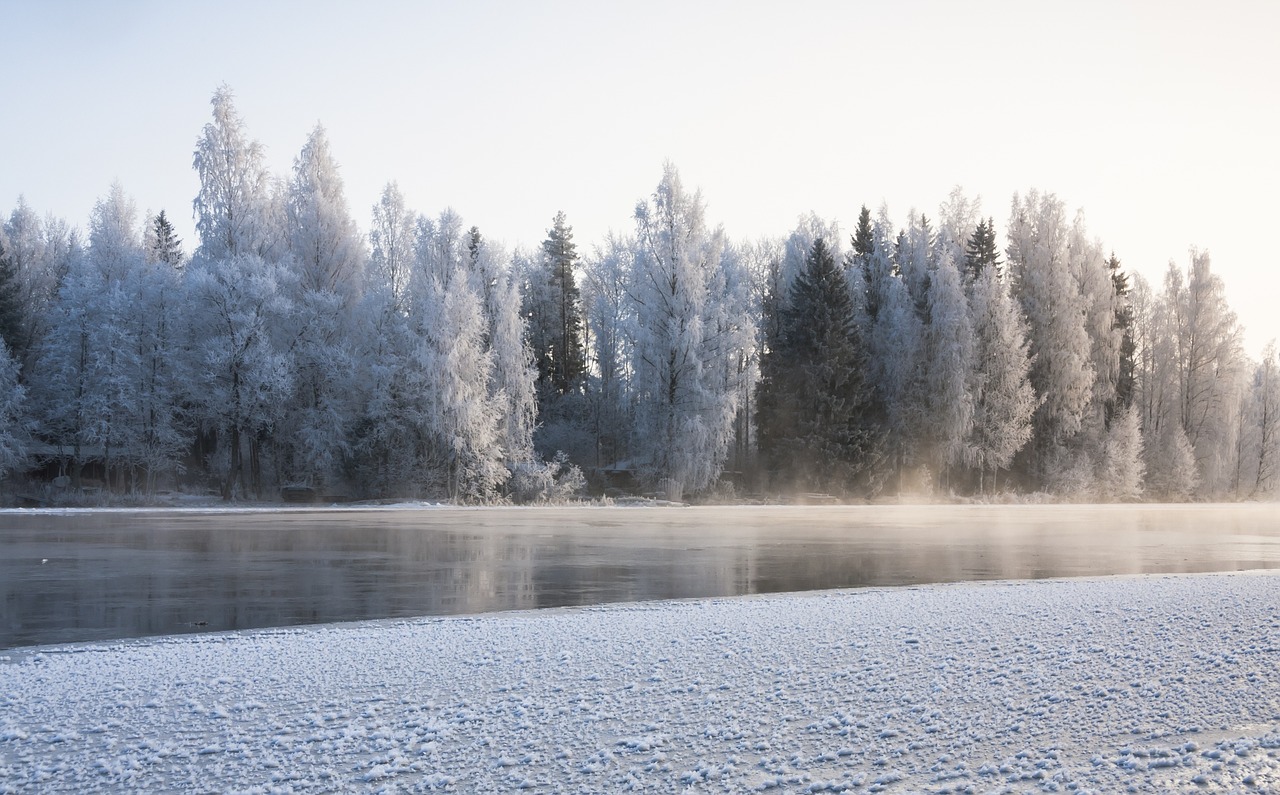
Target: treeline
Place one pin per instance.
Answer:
(421, 360)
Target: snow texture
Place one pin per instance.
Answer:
(1155, 684)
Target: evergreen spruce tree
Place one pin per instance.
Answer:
(1128, 349)
(863, 242)
(562, 362)
(163, 243)
(981, 251)
(812, 398)
(864, 245)
(11, 320)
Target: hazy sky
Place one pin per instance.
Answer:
(1160, 119)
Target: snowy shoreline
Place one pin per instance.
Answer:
(1161, 683)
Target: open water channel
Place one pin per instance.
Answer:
(82, 576)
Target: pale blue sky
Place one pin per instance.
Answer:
(1160, 119)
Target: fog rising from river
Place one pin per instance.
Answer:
(99, 575)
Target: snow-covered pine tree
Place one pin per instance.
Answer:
(1121, 467)
(1170, 461)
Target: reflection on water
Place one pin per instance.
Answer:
(124, 574)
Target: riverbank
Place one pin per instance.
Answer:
(1161, 683)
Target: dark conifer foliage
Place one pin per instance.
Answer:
(559, 351)
(812, 398)
(1128, 349)
(863, 242)
(11, 316)
(164, 244)
(981, 251)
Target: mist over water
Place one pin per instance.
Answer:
(105, 575)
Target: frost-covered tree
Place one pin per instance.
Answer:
(1170, 463)
(1261, 438)
(514, 375)
(441, 251)
(14, 425)
(162, 242)
(1004, 401)
(610, 329)
(234, 207)
(86, 378)
(115, 246)
(242, 370)
(394, 236)
(309, 437)
(383, 455)
(1208, 361)
(1121, 468)
(322, 237)
(158, 429)
(896, 339)
(915, 259)
(686, 336)
(1096, 288)
(41, 252)
(326, 253)
(948, 366)
(958, 216)
(1045, 286)
(465, 426)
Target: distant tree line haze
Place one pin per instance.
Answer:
(288, 349)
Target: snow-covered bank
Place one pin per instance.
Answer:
(1157, 684)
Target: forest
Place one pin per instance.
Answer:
(931, 357)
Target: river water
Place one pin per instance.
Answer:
(82, 576)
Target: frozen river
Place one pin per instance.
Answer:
(68, 577)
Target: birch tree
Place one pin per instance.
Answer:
(1048, 292)
(1004, 401)
(233, 206)
(686, 335)
(948, 365)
